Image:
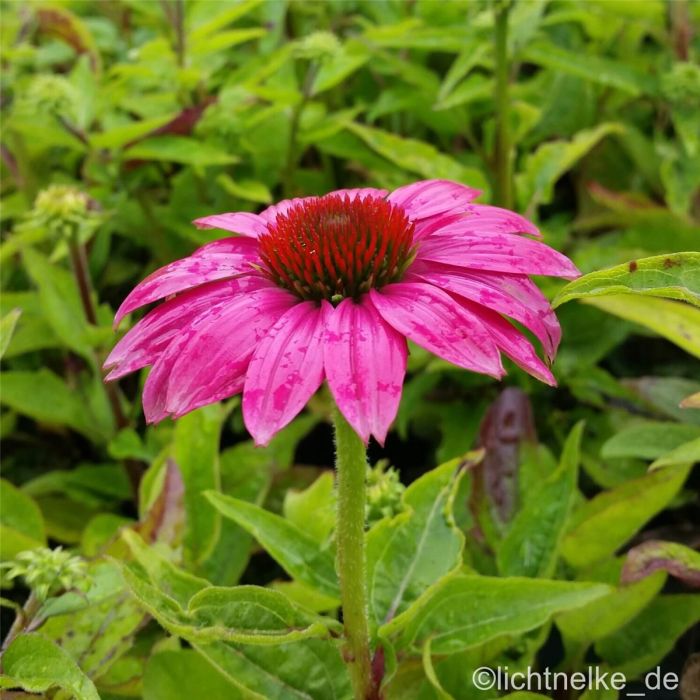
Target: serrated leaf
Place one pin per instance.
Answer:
(464, 610)
(296, 551)
(674, 320)
(35, 664)
(531, 545)
(674, 276)
(411, 551)
(606, 522)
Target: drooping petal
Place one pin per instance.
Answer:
(512, 295)
(211, 364)
(285, 371)
(434, 320)
(189, 272)
(433, 197)
(142, 345)
(496, 253)
(365, 364)
(242, 222)
(512, 343)
(482, 219)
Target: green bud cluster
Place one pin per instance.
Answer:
(384, 491)
(317, 46)
(681, 85)
(65, 212)
(48, 571)
(49, 94)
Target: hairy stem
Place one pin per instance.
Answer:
(351, 467)
(503, 176)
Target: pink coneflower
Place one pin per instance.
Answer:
(330, 288)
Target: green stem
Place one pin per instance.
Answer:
(293, 148)
(351, 466)
(502, 161)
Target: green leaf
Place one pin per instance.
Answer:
(308, 670)
(179, 149)
(645, 641)
(35, 664)
(296, 551)
(120, 136)
(96, 628)
(676, 321)
(411, 551)
(606, 522)
(531, 545)
(463, 610)
(185, 674)
(7, 329)
(687, 453)
(221, 41)
(342, 64)
(597, 69)
(552, 159)
(417, 156)
(313, 509)
(649, 440)
(607, 614)
(680, 561)
(250, 190)
(44, 397)
(21, 522)
(675, 276)
(60, 302)
(196, 452)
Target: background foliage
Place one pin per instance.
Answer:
(125, 120)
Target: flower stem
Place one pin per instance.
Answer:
(502, 156)
(351, 466)
(81, 272)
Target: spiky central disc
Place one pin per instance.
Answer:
(335, 247)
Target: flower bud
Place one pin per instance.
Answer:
(384, 491)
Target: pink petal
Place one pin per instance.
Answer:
(285, 371)
(481, 219)
(218, 345)
(189, 272)
(512, 295)
(241, 222)
(513, 343)
(365, 363)
(271, 213)
(495, 253)
(434, 320)
(432, 197)
(142, 345)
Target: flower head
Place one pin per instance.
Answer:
(331, 288)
